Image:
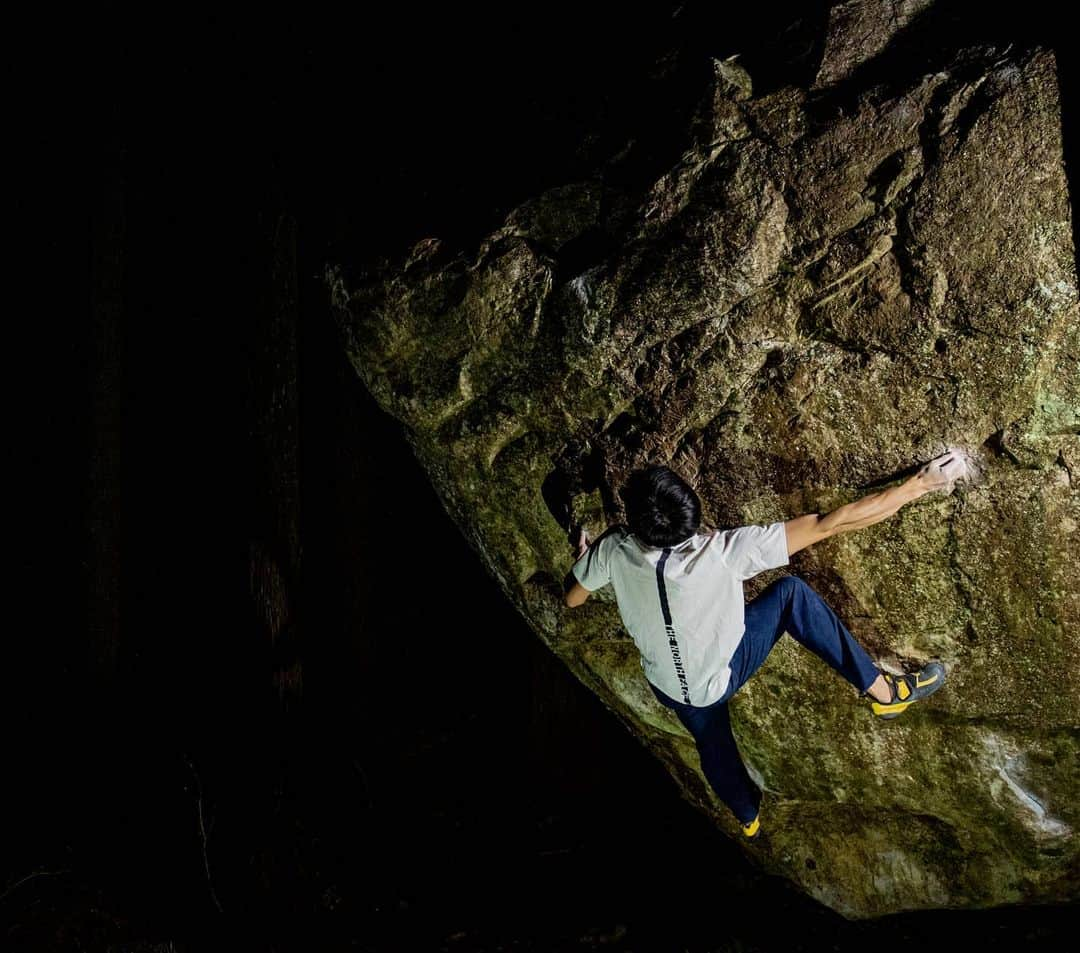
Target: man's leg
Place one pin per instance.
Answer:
(720, 761)
(790, 604)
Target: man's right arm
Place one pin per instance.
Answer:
(810, 528)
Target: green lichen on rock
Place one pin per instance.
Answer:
(832, 286)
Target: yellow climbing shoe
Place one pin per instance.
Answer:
(750, 831)
(907, 689)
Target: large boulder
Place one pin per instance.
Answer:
(831, 287)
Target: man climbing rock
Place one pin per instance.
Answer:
(680, 595)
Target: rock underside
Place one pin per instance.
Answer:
(832, 286)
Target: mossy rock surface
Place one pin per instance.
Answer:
(833, 286)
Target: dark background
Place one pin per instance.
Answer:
(180, 402)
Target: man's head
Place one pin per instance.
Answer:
(662, 509)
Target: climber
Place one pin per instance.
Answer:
(679, 592)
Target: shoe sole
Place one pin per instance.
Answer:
(888, 711)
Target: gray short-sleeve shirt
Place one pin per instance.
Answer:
(683, 605)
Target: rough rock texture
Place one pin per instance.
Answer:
(859, 30)
(829, 289)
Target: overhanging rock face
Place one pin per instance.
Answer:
(830, 288)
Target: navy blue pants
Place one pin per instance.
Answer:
(789, 604)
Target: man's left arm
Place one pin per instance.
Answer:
(589, 566)
(574, 593)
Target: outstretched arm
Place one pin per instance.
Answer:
(810, 528)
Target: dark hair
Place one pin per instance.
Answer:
(662, 509)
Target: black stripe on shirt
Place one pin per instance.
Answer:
(673, 643)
